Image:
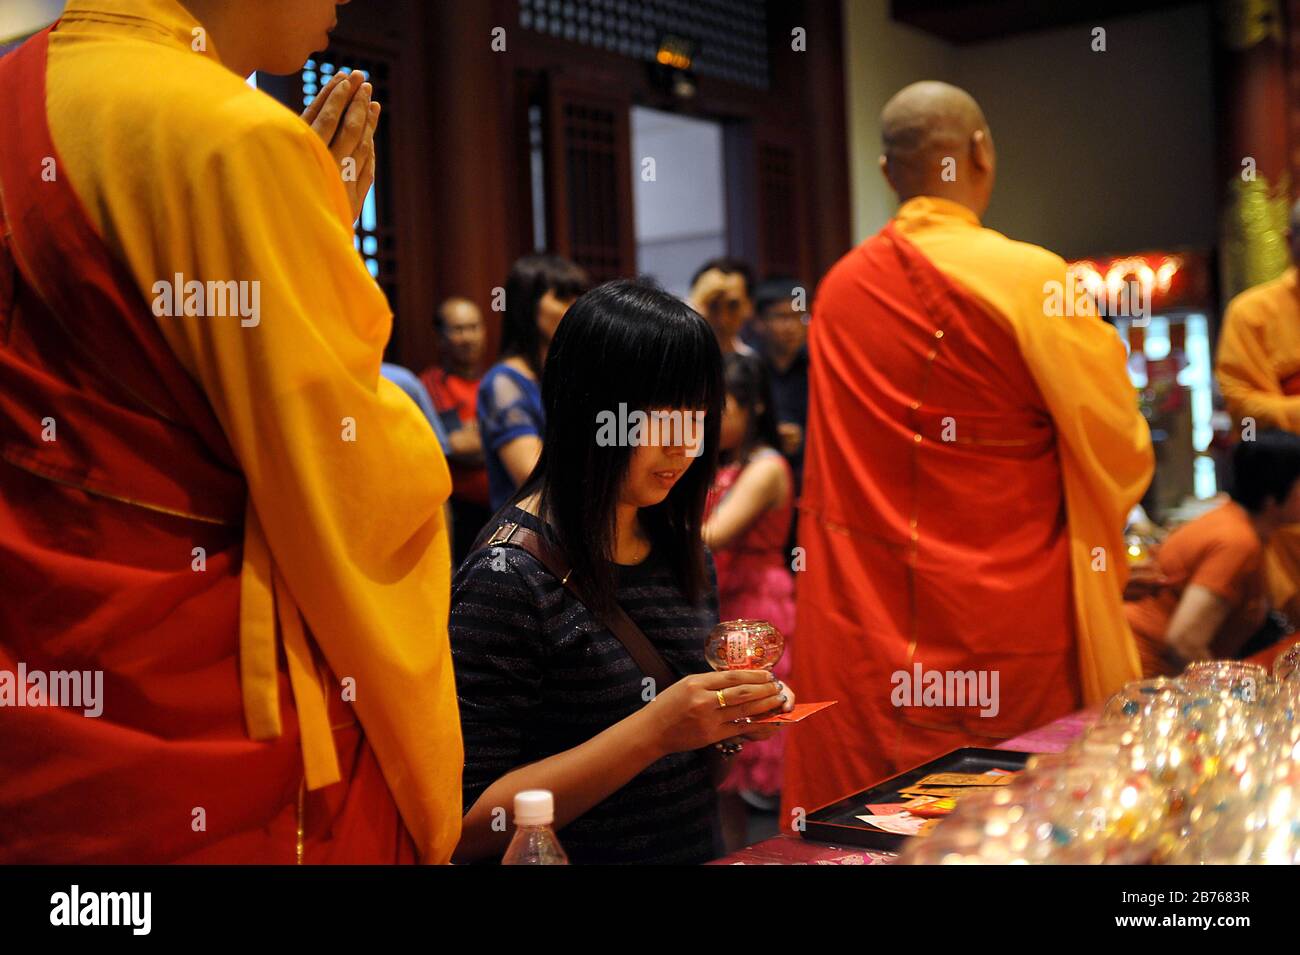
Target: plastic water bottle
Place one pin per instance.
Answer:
(534, 842)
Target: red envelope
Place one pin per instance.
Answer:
(800, 711)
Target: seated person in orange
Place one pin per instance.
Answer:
(1258, 370)
(1214, 597)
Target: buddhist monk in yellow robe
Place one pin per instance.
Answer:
(209, 498)
(1258, 369)
(974, 445)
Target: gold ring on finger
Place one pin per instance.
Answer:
(722, 700)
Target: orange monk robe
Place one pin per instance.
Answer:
(343, 573)
(1258, 368)
(970, 464)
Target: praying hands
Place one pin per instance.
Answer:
(345, 118)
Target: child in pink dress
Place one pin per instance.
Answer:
(747, 526)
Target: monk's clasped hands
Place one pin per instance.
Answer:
(345, 117)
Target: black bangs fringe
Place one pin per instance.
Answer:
(672, 368)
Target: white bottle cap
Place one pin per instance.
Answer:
(534, 807)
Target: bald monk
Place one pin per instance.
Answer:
(212, 506)
(1258, 368)
(971, 459)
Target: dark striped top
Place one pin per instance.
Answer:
(537, 675)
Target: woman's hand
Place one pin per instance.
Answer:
(768, 730)
(690, 714)
(345, 119)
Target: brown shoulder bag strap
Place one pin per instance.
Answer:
(617, 621)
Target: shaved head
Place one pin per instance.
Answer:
(935, 142)
(928, 120)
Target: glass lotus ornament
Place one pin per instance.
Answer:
(1078, 810)
(1248, 812)
(1287, 667)
(1108, 816)
(1106, 741)
(1242, 680)
(1203, 769)
(744, 645)
(986, 828)
(1139, 696)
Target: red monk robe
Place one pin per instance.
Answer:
(939, 538)
(136, 545)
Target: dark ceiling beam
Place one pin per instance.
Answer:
(974, 21)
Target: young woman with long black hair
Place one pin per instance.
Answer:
(549, 696)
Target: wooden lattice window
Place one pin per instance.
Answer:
(592, 169)
(731, 34)
(590, 193)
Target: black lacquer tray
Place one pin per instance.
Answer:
(838, 822)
